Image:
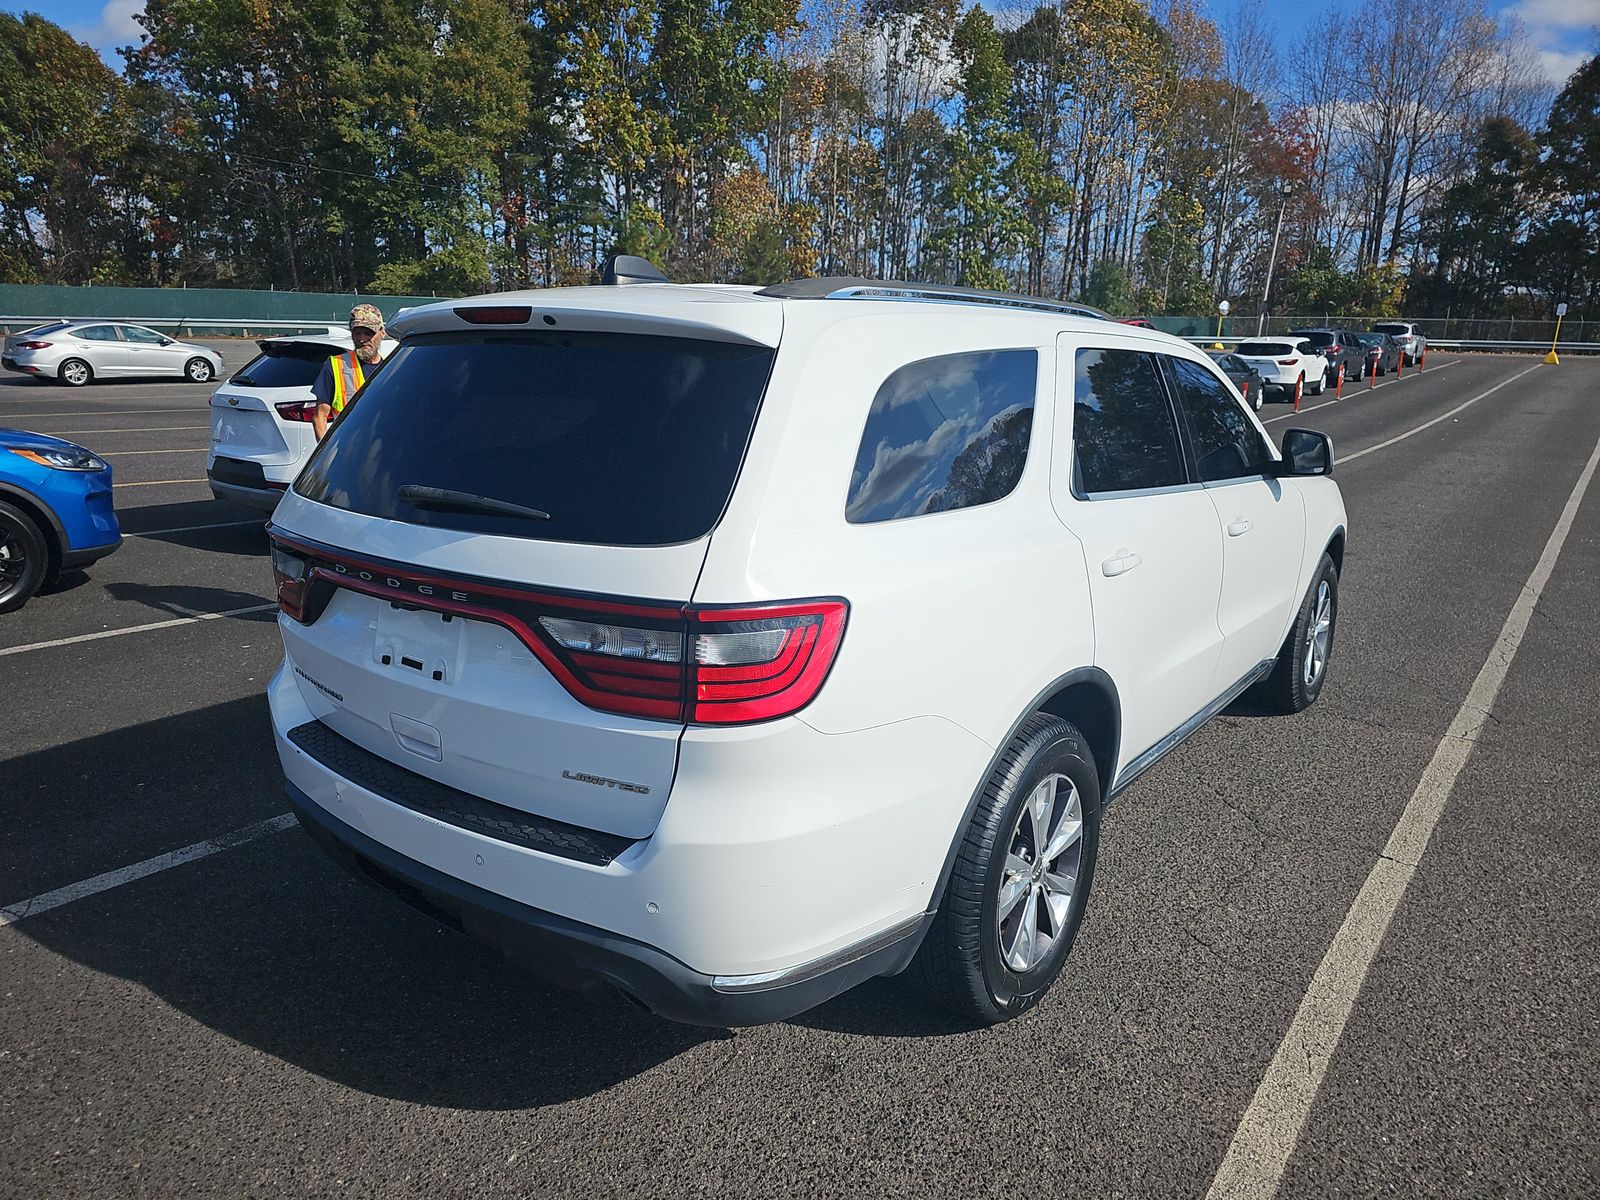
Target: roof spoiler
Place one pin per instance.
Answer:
(621, 269)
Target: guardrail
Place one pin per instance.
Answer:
(1230, 340)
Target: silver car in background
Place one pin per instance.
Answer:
(1409, 336)
(79, 351)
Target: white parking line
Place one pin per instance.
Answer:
(156, 482)
(1356, 391)
(104, 412)
(130, 453)
(35, 905)
(1442, 416)
(131, 429)
(1271, 1126)
(150, 533)
(153, 625)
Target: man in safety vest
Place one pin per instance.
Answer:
(343, 374)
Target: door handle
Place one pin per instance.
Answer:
(1120, 563)
(1239, 527)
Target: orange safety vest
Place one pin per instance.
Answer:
(347, 378)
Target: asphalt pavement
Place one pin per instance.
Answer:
(244, 1020)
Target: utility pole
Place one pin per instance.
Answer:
(1272, 260)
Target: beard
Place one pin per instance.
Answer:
(370, 352)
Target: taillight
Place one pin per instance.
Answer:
(291, 573)
(1286, 362)
(297, 410)
(766, 661)
(33, 345)
(705, 664)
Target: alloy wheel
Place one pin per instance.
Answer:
(1319, 636)
(1041, 873)
(13, 563)
(75, 373)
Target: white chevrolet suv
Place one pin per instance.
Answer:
(731, 647)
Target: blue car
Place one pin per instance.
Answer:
(55, 512)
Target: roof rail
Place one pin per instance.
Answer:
(847, 288)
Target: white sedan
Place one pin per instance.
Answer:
(80, 351)
(1291, 365)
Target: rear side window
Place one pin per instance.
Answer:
(97, 333)
(623, 439)
(944, 433)
(282, 370)
(1265, 349)
(1123, 434)
(1226, 444)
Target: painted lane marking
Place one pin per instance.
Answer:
(103, 412)
(150, 628)
(1272, 1124)
(1441, 417)
(1357, 394)
(156, 482)
(129, 453)
(35, 905)
(150, 533)
(130, 429)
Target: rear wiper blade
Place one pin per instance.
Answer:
(445, 500)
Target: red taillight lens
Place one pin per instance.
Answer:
(504, 314)
(297, 410)
(1286, 362)
(766, 661)
(33, 345)
(291, 572)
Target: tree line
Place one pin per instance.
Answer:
(1140, 156)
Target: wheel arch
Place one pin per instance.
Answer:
(42, 515)
(1335, 549)
(1087, 698)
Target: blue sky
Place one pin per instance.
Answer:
(1564, 31)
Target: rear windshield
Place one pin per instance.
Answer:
(1391, 329)
(285, 367)
(1265, 349)
(1319, 337)
(624, 439)
(52, 327)
(1370, 339)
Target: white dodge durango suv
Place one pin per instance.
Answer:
(730, 647)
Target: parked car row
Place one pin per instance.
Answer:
(1311, 360)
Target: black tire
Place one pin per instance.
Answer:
(1287, 690)
(198, 370)
(81, 373)
(24, 558)
(960, 965)
(1322, 385)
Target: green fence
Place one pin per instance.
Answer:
(186, 310)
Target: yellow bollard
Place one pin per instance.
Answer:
(1550, 359)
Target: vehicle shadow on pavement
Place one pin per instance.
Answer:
(184, 513)
(884, 1008)
(67, 581)
(272, 945)
(185, 600)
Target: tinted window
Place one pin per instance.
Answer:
(1319, 339)
(96, 333)
(282, 370)
(1226, 444)
(52, 327)
(944, 433)
(1265, 349)
(147, 337)
(1394, 329)
(1123, 436)
(623, 439)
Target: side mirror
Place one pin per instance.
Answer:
(166, 341)
(1306, 452)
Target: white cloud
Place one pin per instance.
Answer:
(1559, 65)
(116, 27)
(1559, 14)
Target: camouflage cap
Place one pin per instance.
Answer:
(366, 316)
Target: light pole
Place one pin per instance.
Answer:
(1272, 259)
(1222, 311)
(1551, 359)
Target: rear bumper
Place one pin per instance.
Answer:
(579, 956)
(244, 482)
(76, 560)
